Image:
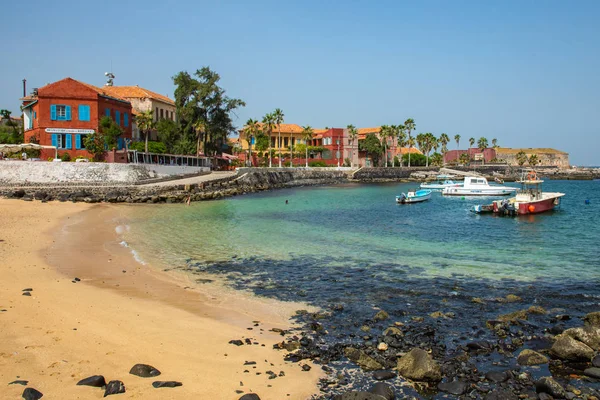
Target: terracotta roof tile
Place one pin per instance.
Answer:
(365, 131)
(285, 128)
(130, 92)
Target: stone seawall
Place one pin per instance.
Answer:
(381, 174)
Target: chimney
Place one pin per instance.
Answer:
(24, 87)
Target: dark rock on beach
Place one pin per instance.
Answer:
(358, 396)
(384, 390)
(567, 348)
(592, 373)
(26, 294)
(236, 342)
(166, 384)
(32, 394)
(592, 319)
(596, 361)
(95, 381)
(418, 365)
(381, 316)
(496, 376)
(457, 387)
(144, 371)
(501, 394)
(19, 382)
(548, 385)
(114, 387)
(589, 335)
(383, 375)
(250, 396)
(365, 361)
(530, 357)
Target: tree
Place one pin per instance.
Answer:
(437, 159)
(145, 123)
(457, 140)
(278, 119)
(352, 136)
(203, 108)
(464, 158)
(444, 140)
(534, 160)
(471, 142)
(168, 134)
(482, 143)
(372, 146)
(495, 143)
(110, 130)
(268, 123)
(521, 158)
(410, 125)
(251, 131)
(95, 145)
(307, 135)
(384, 134)
(400, 138)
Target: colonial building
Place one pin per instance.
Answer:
(546, 157)
(144, 100)
(63, 113)
(362, 159)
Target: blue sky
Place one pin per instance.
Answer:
(524, 72)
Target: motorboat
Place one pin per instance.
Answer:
(414, 196)
(530, 199)
(478, 186)
(441, 182)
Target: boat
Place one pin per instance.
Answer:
(530, 199)
(414, 196)
(441, 182)
(483, 208)
(478, 186)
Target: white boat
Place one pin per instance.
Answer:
(441, 182)
(478, 186)
(414, 196)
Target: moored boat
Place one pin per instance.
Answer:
(530, 199)
(414, 196)
(441, 182)
(478, 186)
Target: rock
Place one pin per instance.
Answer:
(166, 384)
(365, 361)
(358, 396)
(19, 382)
(114, 387)
(383, 375)
(588, 334)
(31, 394)
(144, 371)
(592, 373)
(250, 396)
(236, 342)
(26, 293)
(592, 319)
(530, 357)
(536, 310)
(567, 348)
(512, 298)
(596, 361)
(382, 346)
(18, 193)
(456, 387)
(419, 366)
(496, 376)
(291, 346)
(513, 316)
(437, 314)
(306, 367)
(477, 300)
(501, 394)
(384, 390)
(548, 385)
(365, 328)
(479, 345)
(381, 316)
(94, 380)
(392, 330)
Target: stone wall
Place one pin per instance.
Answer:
(26, 173)
(381, 174)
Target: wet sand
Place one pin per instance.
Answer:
(122, 313)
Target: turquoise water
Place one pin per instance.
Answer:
(361, 225)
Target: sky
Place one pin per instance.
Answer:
(524, 72)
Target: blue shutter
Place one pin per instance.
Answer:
(119, 143)
(84, 112)
(69, 144)
(118, 117)
(125, 120)
(107, 112)
(68, 113)
(77, 142)
(53, 112)
(35, 115)
(55, 140)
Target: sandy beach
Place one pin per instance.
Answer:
(122, 313)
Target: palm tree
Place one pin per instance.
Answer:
(482, 143)
(457, 140)
(307, 135)
(384, 134)
(410, 125)
(268, 123)
(200, 128)
(251, 130)
(352, 135)
(411, 144)
(145, 123)
(471, 142)
(521, 158)
(495, 143)
(401, 137)
(444, 139)
(278, 119)
(533, 160)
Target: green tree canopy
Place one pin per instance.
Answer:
(372, 146)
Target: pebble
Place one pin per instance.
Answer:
(144, 370)
(166, 384)
(94, 380)
(19, 382)
(383, 375)
(592, 372)
(382, 346)
(114, 387)
(32, 394)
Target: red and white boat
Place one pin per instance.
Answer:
(530, 199)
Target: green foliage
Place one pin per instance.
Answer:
(316, 149)
(317, 164)
(168, 133)
(94, 144)
(110, 130)
(534, 160)
(261, 142)
(372, 146)
(153, 147)
(397, 161)
(9, 131)
(416, 160)
(65, 157)
(300, 148)
(437, 159)
(346, 162)
(464, 158)
(185, 146)
(521, 157)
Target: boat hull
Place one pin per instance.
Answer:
(478, 192)
(548, 203)
(419, 196)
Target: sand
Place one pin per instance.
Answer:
(122, 313)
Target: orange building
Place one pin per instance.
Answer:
(63, 113)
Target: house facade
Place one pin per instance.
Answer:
(546, 157)
(143, 100)
(63, 113)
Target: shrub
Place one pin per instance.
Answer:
(66, 157)
(153, 147)
(317, 164)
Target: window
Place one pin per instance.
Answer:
(161, 114)
(118, 117)
(285, 142)
(172, 117)
(80, 141)
(60, 112)
(156, 114)
(125, 120)
(61, 141)
(84, 112)
(107, 112)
